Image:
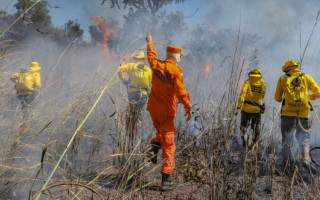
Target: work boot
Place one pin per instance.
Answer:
(307, 159)
(166, 182)
(153, 152)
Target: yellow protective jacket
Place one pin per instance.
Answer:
(253, 91)
(310, 84)
(33, 73)
(142, 84)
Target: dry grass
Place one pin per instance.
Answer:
(106, 160)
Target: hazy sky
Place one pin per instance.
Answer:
(272, 19)
(277, 22)
(83, 9)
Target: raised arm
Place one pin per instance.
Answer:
(151, 52)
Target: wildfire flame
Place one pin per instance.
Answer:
(207, 70)
(107, 32)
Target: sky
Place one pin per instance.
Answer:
(279, 23)
(83, 9)
(273, 19)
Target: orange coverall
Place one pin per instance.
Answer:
(167, 85)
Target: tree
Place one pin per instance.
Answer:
(5, 21)
(37, 18)
(152, 6)
(148, 15)
(204, 43)
(72, 30)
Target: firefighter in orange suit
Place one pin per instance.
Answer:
(167, 85)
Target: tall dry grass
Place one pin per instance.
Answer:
(106, 161)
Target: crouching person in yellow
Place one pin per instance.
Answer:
(139, 85)
(293, 91)
(26, 83)
(250, 104)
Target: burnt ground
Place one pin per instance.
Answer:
(268, 184)
(194, 181)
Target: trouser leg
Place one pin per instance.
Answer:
(256, 126)
(303, 137)
(245, 121)
(165, 127)
(167, 142)
(157, 124)
(156, 141)
(287, 131)
(168, 151)
(22, 101)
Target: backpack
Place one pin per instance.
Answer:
(139, 77)
(24, 81)
(296, 93)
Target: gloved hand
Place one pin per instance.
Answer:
(189, 113)
(149, 37)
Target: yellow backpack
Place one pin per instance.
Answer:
(296, 93)
(24, 82)
(139, 77)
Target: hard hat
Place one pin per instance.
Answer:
(34, 64)
(34, 67)
(289, 64)
(255, 72)
(174, 50)
(140, 54)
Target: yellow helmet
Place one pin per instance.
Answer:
(139, 54)
(255, 71)
(34, 67)
(289, 64)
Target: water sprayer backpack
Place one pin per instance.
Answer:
(296, 94)
(139, 77)
(24, 82)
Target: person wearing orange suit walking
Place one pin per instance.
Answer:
(167, 85)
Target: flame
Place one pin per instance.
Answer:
(207, 70)
(107, 32)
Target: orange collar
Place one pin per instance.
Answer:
(170, 61)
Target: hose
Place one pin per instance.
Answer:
(300, 125)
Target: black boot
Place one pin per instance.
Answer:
(310, 167)
(153, 152)
(166, 182)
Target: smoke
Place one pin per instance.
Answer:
(208, 39)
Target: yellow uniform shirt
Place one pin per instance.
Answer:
(253, 91)
(139, 80)
(310, 84)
